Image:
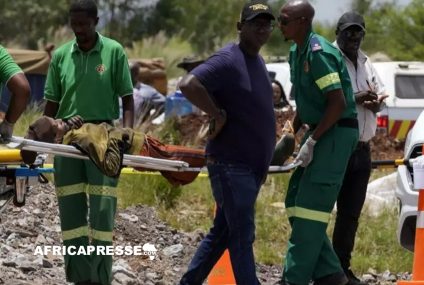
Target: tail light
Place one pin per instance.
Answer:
(383, 122)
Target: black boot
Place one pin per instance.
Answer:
(338, 278)
(353, 280)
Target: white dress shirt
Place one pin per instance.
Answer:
(364, 78)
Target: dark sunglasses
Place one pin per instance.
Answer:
(284, 21)
(353, 34)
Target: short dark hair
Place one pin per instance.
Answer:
(87, 6)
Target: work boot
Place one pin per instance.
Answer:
(353, 280)
(338, 278)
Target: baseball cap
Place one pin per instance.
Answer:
(253, 9)
(350, 19)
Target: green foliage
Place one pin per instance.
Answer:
(205, 24)
(149, 188)
(397, 32)
(168, 132)
(32, 113)
(376, 245)
(172, 50)
(23, 23)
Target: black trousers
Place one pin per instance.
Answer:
(350, 202)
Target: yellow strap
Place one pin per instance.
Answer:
(328, 80)
(101, 235)
(70, 189)
(75, 233)
(102, 190)
(308, 214)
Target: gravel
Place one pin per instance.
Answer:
(37, 223)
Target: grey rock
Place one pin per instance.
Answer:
(173, 250)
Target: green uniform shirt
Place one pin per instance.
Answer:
(315, 70)
(89, 83)
(8, 67)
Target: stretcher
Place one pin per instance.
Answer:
(129, 160)
(16, 178)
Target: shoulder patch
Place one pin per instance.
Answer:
(315, 44)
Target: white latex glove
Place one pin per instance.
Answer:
(306, 152)
(6, 130)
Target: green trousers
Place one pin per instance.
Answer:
(310, 199)
(87, 207)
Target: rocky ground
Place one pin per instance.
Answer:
(37, 223)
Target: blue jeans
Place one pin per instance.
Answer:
(235, 188)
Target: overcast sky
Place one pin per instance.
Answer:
(330, 10)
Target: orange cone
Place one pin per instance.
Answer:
(418, 267)
(222, 272)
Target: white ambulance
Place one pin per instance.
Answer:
(404, 83)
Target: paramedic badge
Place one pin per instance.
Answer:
(306, 66)
(100, 68)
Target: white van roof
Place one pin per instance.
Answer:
(387, 71)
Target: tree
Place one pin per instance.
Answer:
(25, 22)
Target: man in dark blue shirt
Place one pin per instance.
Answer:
(234, 89)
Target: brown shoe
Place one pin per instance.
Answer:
(338, 278)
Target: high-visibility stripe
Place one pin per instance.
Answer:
(290, 212)
(394, 127)
(328, 80)
(400, 128)
(101, 235)
(308, 214)
(420, 220)
(102, 190)
(70, 189)
(403, 129)
(75, 233)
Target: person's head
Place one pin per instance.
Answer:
(190, 62)
(135, 72)
(350, 32)
(83, 20)
(295, 19)
(255, 25)
(278, 93)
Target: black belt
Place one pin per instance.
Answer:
(343, 123)
(97, 122)
(363, 144)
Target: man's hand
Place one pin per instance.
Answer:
(375, 105)
(6, 131)
(216, 124)
(306, 152)
(75, 122)
(363, 96)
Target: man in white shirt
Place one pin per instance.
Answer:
(369, 96)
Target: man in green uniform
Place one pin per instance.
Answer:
(86, 77)
(12, 76)
(325, 102)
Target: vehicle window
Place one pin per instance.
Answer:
(409, 86)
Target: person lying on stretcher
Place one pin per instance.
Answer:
(105, 145)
